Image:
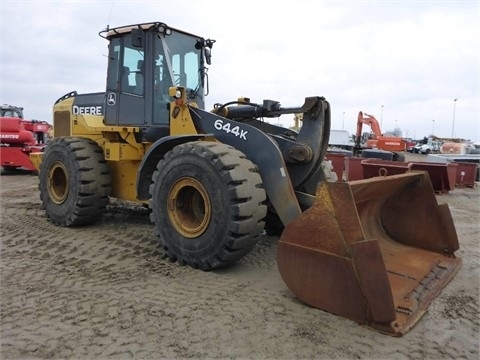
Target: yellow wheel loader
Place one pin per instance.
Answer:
(375, 251)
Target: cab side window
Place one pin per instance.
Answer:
(133, 72)
(126, 70)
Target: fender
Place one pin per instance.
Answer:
(154, 155)
(262, 150)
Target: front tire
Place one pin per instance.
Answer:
(74, 181)
(207, 204)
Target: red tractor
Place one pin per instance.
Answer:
(19, 138)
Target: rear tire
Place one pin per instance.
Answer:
(398, 157)
(74, 181)
(207, 204)
(9, 169)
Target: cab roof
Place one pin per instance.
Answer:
(125, 29)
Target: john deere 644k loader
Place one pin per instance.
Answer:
(375, 251)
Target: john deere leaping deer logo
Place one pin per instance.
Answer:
(111, 99)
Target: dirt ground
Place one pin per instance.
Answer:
(106, 292)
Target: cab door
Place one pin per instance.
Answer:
(125, 96)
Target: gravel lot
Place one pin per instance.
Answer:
(106, 292)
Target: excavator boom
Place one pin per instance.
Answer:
(378, 140)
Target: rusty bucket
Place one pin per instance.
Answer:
(376, 251)
(442, 176)
(377, 167)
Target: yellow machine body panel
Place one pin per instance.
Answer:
(122, 152)
(125, 174)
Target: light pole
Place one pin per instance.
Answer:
(433, 126)
(453, 121)
(381, 115)
(343, 119)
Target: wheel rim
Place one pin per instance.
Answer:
(58, 183)
(189, 207)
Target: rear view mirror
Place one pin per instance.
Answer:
(137, 38)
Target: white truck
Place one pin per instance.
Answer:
(341, 139)
(429, 148)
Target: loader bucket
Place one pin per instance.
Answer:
(376, 251)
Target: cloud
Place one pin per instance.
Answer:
(412, 57)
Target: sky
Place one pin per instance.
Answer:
(404, 62)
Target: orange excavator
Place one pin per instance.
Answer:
(376, 140)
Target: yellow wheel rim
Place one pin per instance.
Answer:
(189, 208)
(58, 183)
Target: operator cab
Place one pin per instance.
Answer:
(11, 111)
(144, 61)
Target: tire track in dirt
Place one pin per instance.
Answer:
(105, 291)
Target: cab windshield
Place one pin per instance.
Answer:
(178, 63)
